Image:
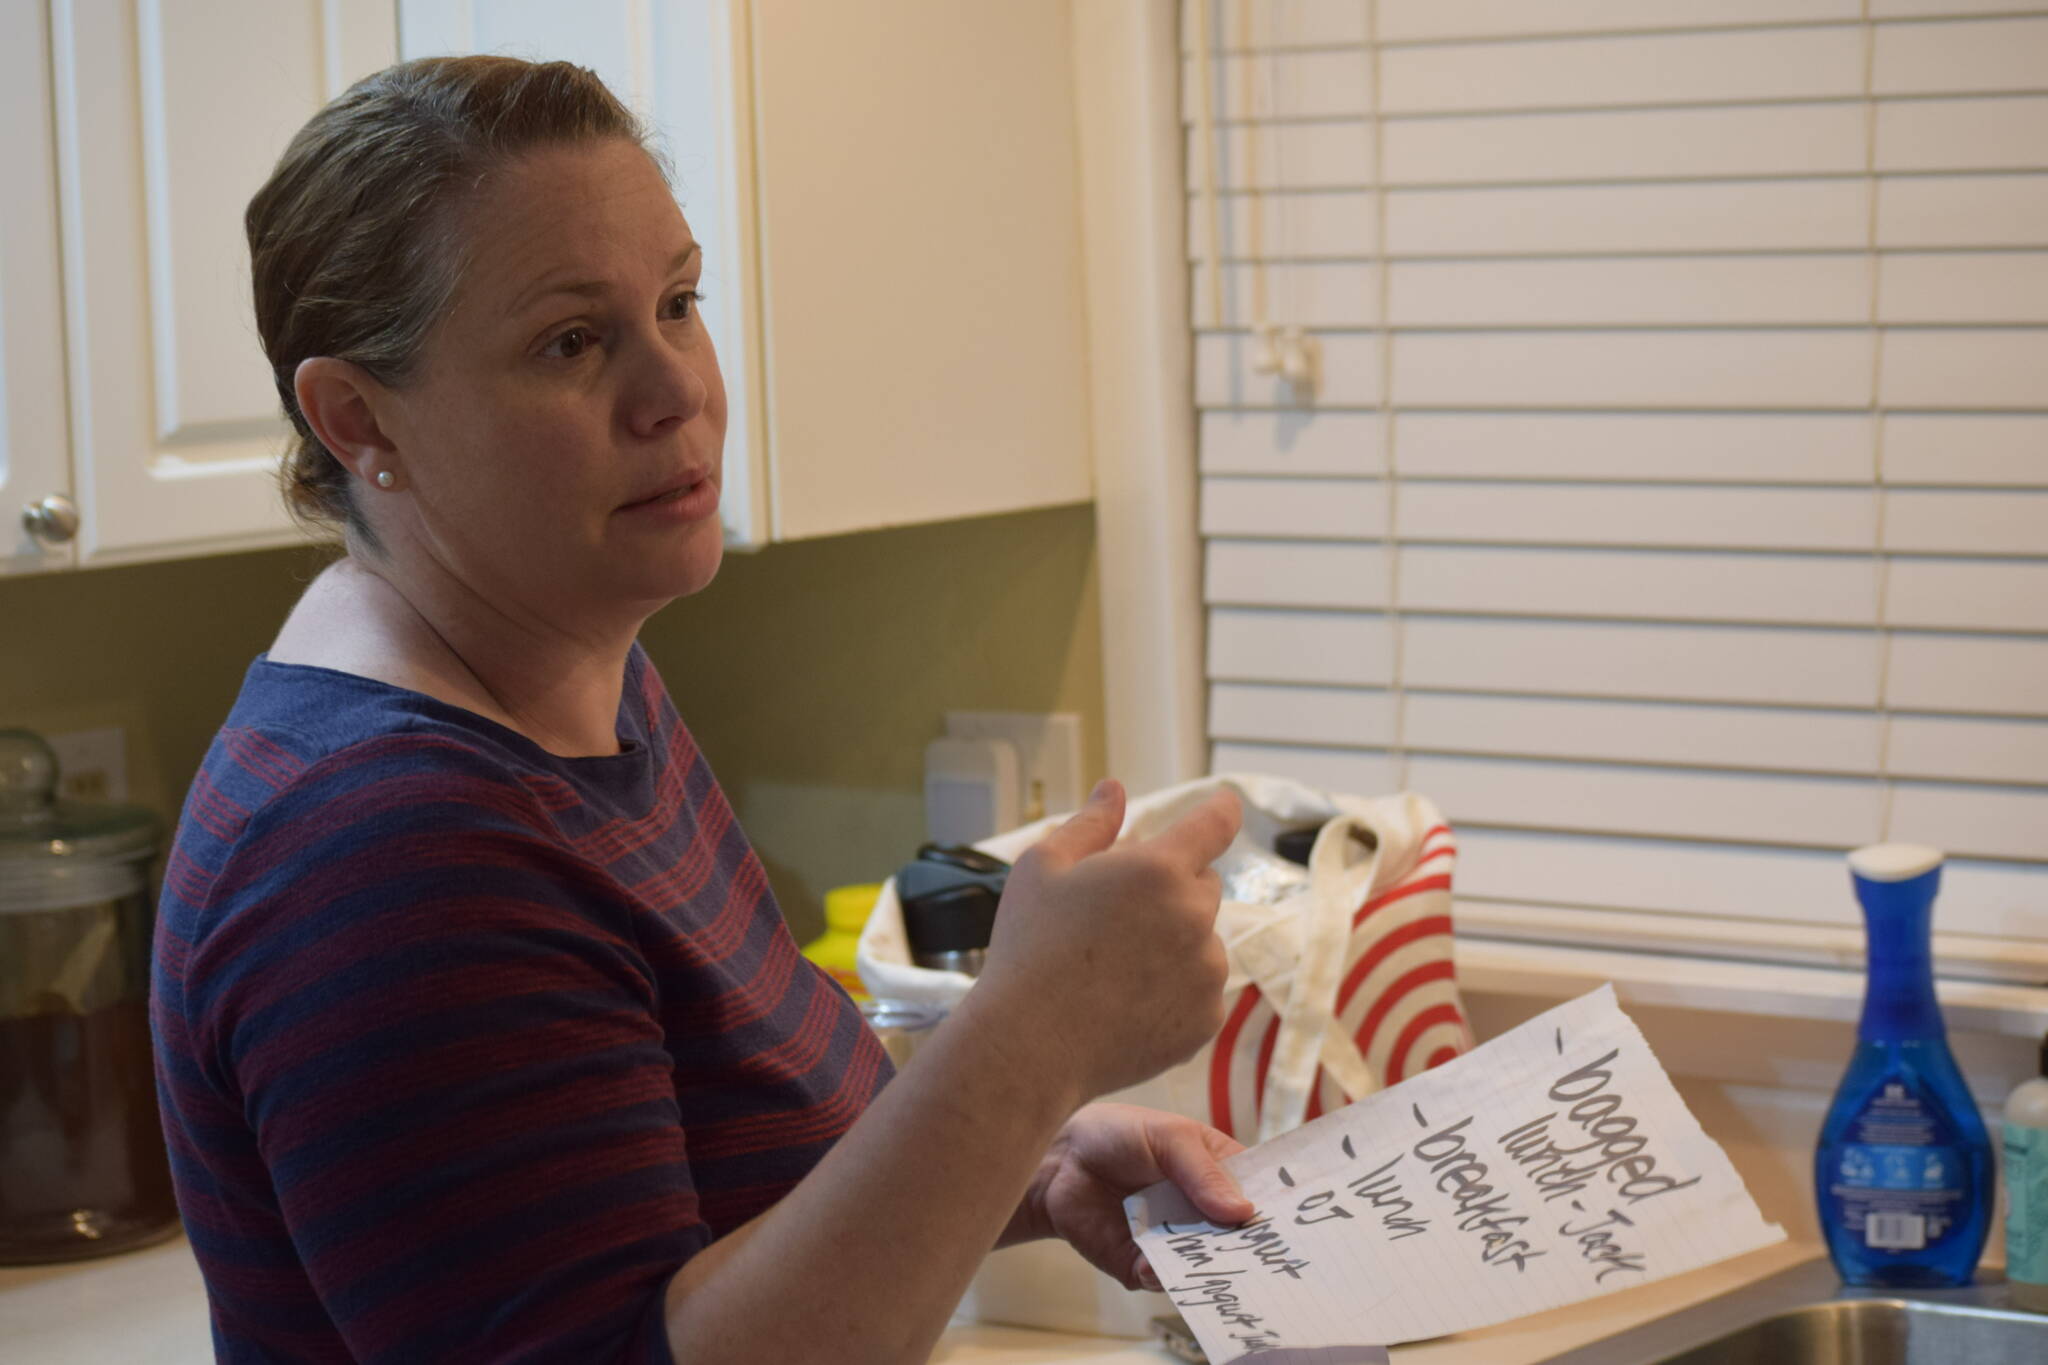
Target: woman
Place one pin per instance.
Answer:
(480, 1036)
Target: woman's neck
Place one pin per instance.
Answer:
(431, 634)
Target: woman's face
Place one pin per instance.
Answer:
(561, 438)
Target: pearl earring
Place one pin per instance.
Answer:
(386, 479)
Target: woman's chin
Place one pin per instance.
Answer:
(693, 566)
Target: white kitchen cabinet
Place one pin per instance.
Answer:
(888, 196)
(34, 463)
(887, 193)
(167, 118)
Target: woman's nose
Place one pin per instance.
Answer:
(667, 387)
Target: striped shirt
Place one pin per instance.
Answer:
(464, 1048)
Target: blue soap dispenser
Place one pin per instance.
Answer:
(1903, 1171)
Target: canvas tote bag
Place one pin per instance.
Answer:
(1341, 982)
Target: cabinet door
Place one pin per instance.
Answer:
(34, 442)
(918, 172)
(681, 66)
(169, 117)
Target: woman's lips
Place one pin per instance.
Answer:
(683, 503)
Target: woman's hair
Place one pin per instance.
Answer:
(354, 241)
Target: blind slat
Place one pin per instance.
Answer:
(1685, 877)
(1278, 227)
(1343, 770)
(1943, 59)
(1734, 369)
(1318, 295)
(1411, 20)
(1691, 68)
(1329, 83)
(1989, 676)
(1224, 376)
(2005, 368)
(1972, 448)
(1330, 154)
(1312, 575)
(1689, 447)
(1645, 732)
(1641, 585)
(2008, 287)
(1278, 23)
(1988, 134)
(1948, 594)
(1312, 508)
(1302, 715)
(1823, 139)
(1962, 210)
(1992, 822)
(1610, 659)
(1914, 9)
(1351, 443)
(1691, 290)
(1966, 749)
(1843, 519)
(2003, 210)
(1742, 215)
(1691, 803)
(1299, 646)
(1948, 520)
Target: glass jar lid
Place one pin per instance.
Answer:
(41, 836)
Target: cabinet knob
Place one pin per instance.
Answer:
(53, 521)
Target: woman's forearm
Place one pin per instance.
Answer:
(1104, 969)
(865, 1260)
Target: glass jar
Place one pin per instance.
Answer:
(82, 1165)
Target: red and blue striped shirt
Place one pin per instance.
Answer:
(464, 1048)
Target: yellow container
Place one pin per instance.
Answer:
(846, 914)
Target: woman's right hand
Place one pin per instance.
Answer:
(1110, 954)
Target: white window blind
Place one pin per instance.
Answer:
(1672, 503)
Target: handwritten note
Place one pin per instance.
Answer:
(1553, 1164)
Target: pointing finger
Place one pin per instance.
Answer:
(1199, 837)
(1091, 829)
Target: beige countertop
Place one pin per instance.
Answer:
(148, 1307)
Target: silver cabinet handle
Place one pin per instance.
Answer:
(53, 521)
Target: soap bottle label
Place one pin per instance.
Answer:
(1900, 1181)
(2026, 1193)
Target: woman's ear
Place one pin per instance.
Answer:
(338, 401)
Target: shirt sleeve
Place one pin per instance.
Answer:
(441, 1033)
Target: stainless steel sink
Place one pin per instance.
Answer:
(1804, 1316)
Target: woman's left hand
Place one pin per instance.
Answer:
(1108, 1151)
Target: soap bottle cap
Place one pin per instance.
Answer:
(1894, 862)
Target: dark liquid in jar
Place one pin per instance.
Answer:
(82, 1168)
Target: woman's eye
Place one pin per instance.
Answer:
(569, 344)
(681, 306)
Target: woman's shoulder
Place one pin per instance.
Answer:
(307, 746)
(325, 715)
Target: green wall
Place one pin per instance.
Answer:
(812, 674)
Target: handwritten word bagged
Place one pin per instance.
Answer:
(1553, 1164)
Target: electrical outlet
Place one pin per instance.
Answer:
(1048, 754)
(92, 765)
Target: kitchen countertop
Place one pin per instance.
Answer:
(148, 1307)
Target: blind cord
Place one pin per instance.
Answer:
(1397, 643)
(1876, 280)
